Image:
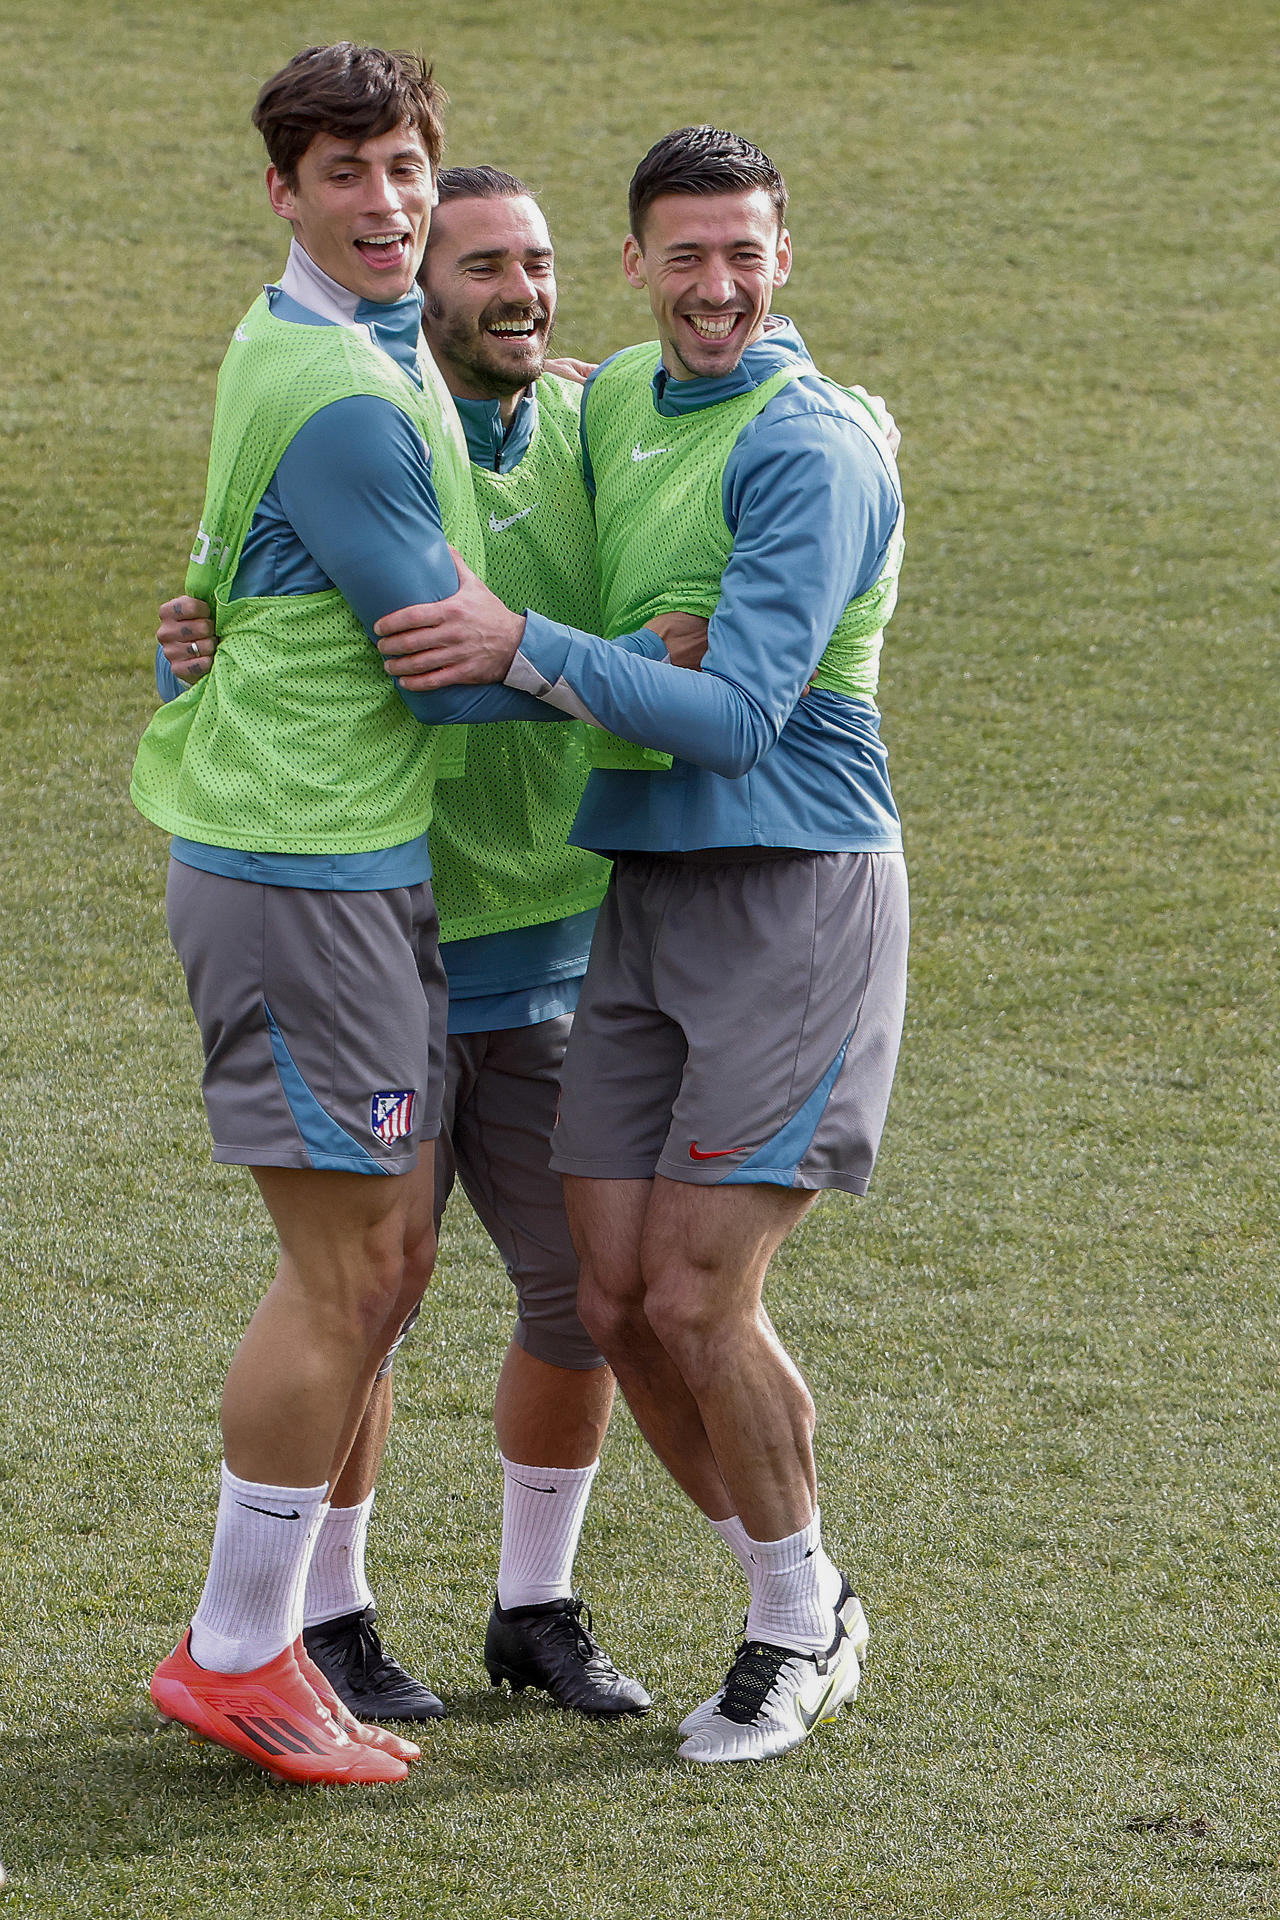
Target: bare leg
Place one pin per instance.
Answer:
(360, 1474)
(355, 1255)
(545, 1417)
(549, 1416)
(607, 1218)
(704, 1255)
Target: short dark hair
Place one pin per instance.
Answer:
(354, 93)
(703, 160)
(480, 183)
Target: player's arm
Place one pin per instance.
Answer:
(812, 505)
(355, 485)
(354, 490)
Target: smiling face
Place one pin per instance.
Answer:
(489, 281)
(361, 211)
(709, 263)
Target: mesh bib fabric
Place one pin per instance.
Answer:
(296, 741)
(498, 851)
(663, 539)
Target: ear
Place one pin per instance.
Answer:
(633, 261)
(280, 195)
(782, 271)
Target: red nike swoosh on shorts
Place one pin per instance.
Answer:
(718, 1154)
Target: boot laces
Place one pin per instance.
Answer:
(751, 1679)
(574, 1623)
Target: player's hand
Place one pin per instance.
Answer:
(684, 635)
(186, 638)
(576, 370)
(888, 425)
(468, 640)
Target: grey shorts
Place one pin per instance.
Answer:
(323, 1018)
(739, 1022)
(500, 1097)
(501, 1093)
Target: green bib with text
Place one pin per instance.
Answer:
(297, 741)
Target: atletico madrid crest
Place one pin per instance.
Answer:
(391, 1115)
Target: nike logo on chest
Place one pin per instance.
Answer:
(500, 526)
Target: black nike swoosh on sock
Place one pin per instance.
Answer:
(269, 1511)
(531, 1487)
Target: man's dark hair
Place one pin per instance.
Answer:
(354, 93)
(479, 183)
(703, 160)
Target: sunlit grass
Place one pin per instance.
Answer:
(1044, 1349)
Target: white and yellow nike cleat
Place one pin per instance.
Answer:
(773, 1698)
(849, 1614)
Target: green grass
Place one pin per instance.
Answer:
(1045, 1349)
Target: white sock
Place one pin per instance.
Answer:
(734, 1535)
(251, 1607)
(542, 1513)
(298, 1598)
(336, 1579)
(794, 1589)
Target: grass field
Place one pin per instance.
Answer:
(1045, 1349)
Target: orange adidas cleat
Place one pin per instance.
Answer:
(270, 1716)
(380, 1737)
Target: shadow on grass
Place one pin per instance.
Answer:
(121, 1788)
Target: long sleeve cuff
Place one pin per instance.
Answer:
(539, 665)
(622, 687)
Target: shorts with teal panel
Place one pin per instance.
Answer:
(323, 1016)
(739, 1021)
(500, 1094)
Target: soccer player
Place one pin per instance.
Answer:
(734, 1046)
(297, 787)
(517, 908)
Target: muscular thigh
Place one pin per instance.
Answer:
(715, 1243)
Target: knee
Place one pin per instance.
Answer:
(374, 1305)
(406, 1282)
(681, 1322)
(609, 1308)
(417, 1265)
(392, 1278)
(693, 1327)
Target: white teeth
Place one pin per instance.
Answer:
(382, 239)
(712, 329)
